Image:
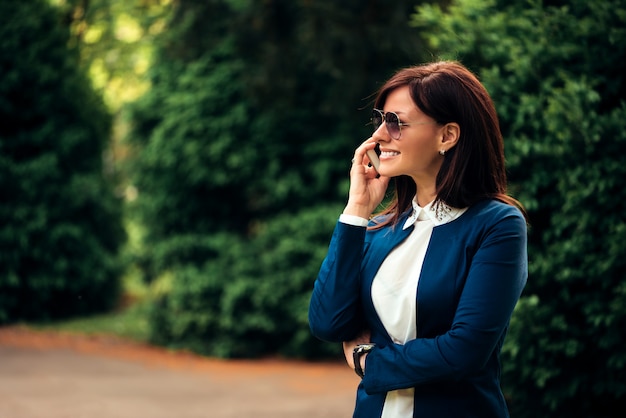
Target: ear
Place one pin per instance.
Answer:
(449, 136)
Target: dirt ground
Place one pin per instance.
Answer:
(52, 375)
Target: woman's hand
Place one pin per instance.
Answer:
(367, 188)
(348, 348)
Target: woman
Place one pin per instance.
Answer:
(421, 295)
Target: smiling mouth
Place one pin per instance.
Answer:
(384, 154)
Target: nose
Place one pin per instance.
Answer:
(381, 134)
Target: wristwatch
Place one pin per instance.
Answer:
(358, 351)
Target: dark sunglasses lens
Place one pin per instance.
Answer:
(393, 125)
(377, 119)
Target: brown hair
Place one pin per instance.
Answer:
(472, 170)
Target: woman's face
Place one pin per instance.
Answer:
(416, 152)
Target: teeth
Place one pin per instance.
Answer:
(389, 153)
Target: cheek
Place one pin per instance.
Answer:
(423, 154)
(425, 147)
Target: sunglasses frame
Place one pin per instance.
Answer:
(383, 116)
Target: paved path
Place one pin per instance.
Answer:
(44, 375)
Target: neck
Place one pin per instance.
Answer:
(425, 193)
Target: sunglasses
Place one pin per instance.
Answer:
(392, 122)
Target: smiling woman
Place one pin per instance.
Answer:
(421, 295)
(412, 151)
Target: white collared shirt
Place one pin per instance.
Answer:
(394, 289)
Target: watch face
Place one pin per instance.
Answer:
(361, 348)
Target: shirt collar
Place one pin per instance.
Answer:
(436, 211)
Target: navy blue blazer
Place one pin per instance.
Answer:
(472, 277)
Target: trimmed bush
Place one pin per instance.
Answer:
(251, 298)
(61, 224)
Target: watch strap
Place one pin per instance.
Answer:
(357, 353)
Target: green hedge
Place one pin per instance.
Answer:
(61, 224)
(251, 297)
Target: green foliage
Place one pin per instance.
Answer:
(250, 120)
(115, 40)
(251, 298)
(194, 168)
(60, 221)
(259, 116)
(556, 73)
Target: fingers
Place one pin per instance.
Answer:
(348, 347)
(363, 157)
(367, 188)
(360, 154)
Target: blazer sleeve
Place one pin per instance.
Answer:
(335, 308)
(496, 278)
